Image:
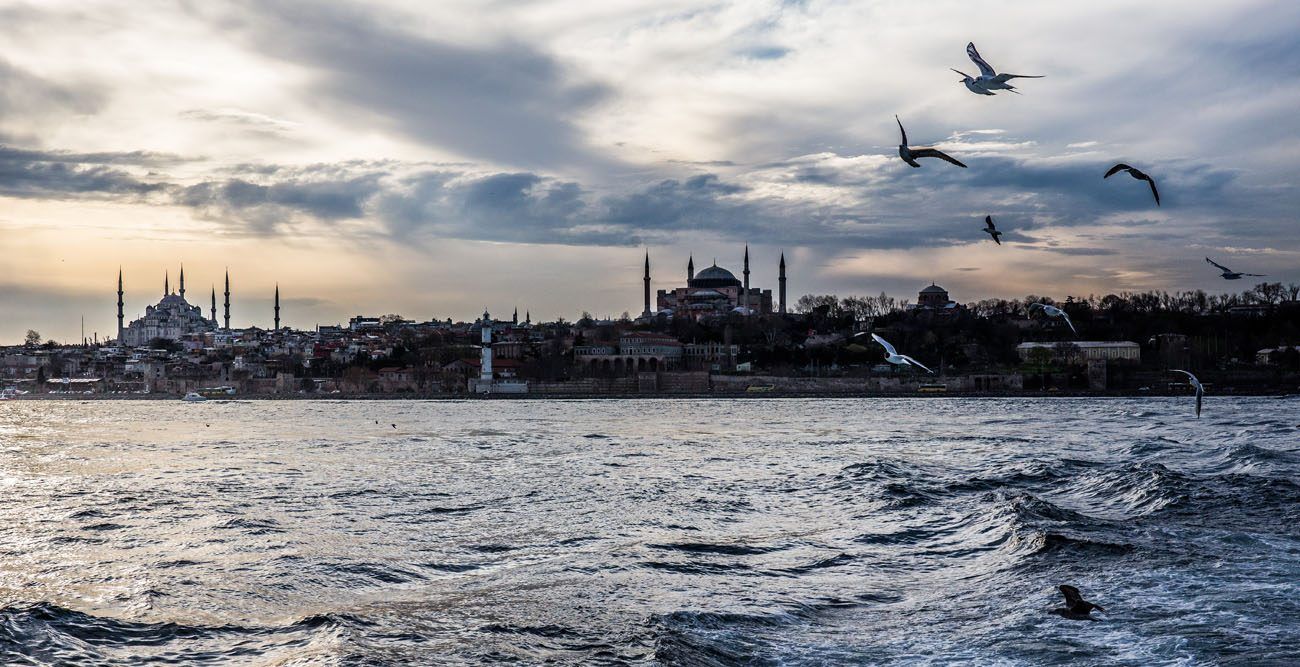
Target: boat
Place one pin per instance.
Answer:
(194, 397)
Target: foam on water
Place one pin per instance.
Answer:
(643, 532)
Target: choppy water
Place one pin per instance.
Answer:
(643, 532)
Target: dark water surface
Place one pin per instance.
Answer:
(642, 532)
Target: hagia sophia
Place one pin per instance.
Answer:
(715, 291)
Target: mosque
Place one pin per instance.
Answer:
(715, 291)
(174, 317)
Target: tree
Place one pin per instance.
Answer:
(810, 302)
(33, 338)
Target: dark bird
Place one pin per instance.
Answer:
(989, 80)
(1138, 174)
(992, 230)
(394, 425)
(1229, 274)
(1076, 608)
(1196, 384)
(911, 154)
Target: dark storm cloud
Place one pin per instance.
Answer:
(61, 175)
(506, 102)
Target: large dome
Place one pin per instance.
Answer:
(714, 276)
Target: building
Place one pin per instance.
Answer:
(714, 291)
(1086, 350)
(935, 299)
(172, 318)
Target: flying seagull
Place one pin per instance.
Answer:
(1229, 274)
(1196, 384)
(988, 79)
(910, 155)
(1138, 174)
(972, 84)
(1053, 311)
(992, 230)
(1076, 608)
(895, 358)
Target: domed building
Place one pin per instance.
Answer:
(935, 299)
(715, 291)
(172, 319)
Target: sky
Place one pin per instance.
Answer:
(437, 159)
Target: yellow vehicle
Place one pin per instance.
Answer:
(933, 388)
(760, 388)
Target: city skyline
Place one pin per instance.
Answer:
(380, 159)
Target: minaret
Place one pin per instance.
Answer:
(120, 328)
(690, 268)
(227, 300)
(182, 281)
(745, 301)
(781, 283)
(167, 288)
(646, 312)
(528, 317)
(214, 305)
(277, 306)
(515, 318)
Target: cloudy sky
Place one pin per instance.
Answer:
(377, 157)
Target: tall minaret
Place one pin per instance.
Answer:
(277, 305)
(515, 318)
(781, 283)
(167, 288)
(120, 328)
(182, 281)
(214, 305)
(690, 268)
(227, 300)
(745, 301)
(646, 312)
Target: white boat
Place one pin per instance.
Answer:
(194, 397)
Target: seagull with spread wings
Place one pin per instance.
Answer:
(911, 154)
(1229, 274)
(989, 80)
(1196, 384)
(893, 357)
(1076, 608)
(1053, 311)
(1138, 174)
(992, 230)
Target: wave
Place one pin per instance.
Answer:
(47, 633)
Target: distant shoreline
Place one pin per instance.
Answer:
(1275, 393)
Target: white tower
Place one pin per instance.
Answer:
(485, 377)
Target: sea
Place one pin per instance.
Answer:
(649, 532)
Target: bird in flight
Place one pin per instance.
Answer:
(1196, 384)
(895, 358)
(1229, 274)
(1076, 608)
(911, 154)
(1053, 311)
(989, 80)
(992, 230)
(1138, 174)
